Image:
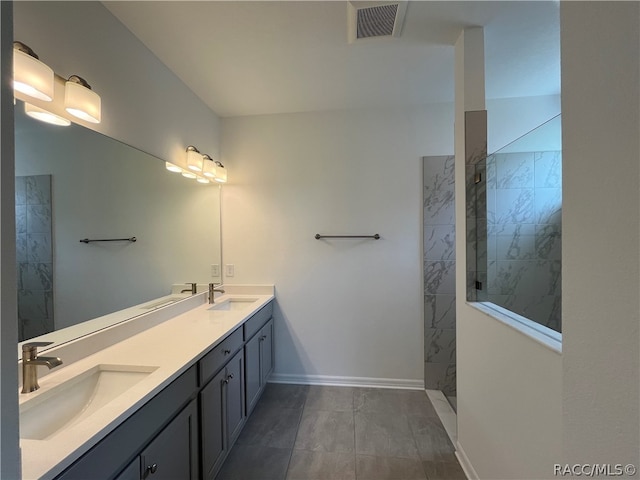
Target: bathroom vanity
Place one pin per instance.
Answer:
(165, 403)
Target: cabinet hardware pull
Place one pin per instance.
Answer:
(263, 337)
(227, 352)
(230, 376)
(152, 468)
(225, 381)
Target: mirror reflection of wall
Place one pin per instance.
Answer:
(101, 188)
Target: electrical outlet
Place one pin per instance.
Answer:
(215, 270)
(230, 270)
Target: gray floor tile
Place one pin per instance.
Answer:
(305, 465)
(384, 434)
(271, 426)
(431, 438)
(338, 399)
(388, 468)
(393, 401)
(326, 431)
(284, 395)
(255, 463)
(449, 470)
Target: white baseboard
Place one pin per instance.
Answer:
(403, 383)
(469, 471)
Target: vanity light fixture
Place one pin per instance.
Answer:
(31, 76)
(194, 159)
(172, 168)
(45, 115)
(188, 174)
(208, 167)
(221, 173)
(202, 180)
(80, 101)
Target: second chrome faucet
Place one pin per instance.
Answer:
(213, 288)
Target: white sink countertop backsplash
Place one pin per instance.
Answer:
(170, 344)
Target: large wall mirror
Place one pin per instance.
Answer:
(73, 183)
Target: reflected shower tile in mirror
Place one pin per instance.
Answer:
(548, 169)
(38, 190)
(37, 276)
(439, 277)
(515, 170)
(21, 219)
(35, 304)
(38, 219)
(21, 248)
(515, 205)
(439, 242)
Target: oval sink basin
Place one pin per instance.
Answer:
(239, 303)
(76, 399)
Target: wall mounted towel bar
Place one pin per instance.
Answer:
(132, 239)
(375, 237)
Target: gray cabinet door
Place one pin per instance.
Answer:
(235, 396)
(266, 352)
(212, 425)
(173, 454)
(132, 472)
(253, 379)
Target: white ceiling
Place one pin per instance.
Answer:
(263, 57)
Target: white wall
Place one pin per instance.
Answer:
(600, 228)
(144, 104)
(347, 308)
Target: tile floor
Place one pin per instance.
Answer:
(300, 432)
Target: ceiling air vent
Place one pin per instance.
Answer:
(375, 19)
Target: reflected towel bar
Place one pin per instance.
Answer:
(132, 239)
(375, 237)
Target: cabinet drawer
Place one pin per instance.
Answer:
(255, 323)
(221, 354)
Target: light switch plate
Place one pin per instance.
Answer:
(230, 270)
(215, 270)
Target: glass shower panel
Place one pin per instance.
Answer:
(524, 226)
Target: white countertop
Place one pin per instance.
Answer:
(172, 346)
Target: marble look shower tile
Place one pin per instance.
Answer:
(548, 169)
(21, 190)
(515, 247)
(440, 311)
(547, 277)
(306, 465)
(515, 205)
(326, 431)
(37, 305)
(37, 276)
(35, 327)
(515, 170)
(439, 201)
(511, 277)
(39, 247)
(440, 345)
(38, 190)
(384, 434)
(440, 376)
(388, 468)
(336, 399)
(471, 243)
(439, 242)
(21, 219)
(38, 219)
(21, 248)
(548, 242)
(492, 174)
(439, 278)
(513, 229)
(548, 205)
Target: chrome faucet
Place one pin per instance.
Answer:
(213, 290)
(193, 289)
(30, 362)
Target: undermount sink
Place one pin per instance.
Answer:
(76, 399)
(238, 303)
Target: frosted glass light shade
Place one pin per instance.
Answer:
(194, 159)
(209, 167)
(202, 180)
(221, 175)
(82, 102)
(172, 168)
(188, 174)
(45, 116)
(31, 76)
